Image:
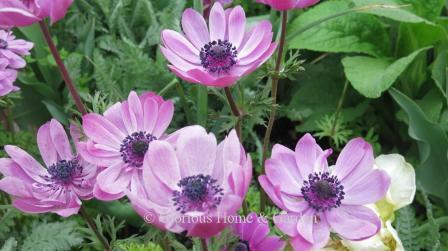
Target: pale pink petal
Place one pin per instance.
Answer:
(180, 46)
(45, 144)
(28, 164)
(287, 223)
(150, 113)
(272, 191)
(60, 140)
(300, 244)
(165, 114)
(113, 114)
(237, 26)
(102, 130)
(279, 175)
(114, 179)
(217, 23)
(354, 222)
(15, 187)
(355, 160)
(195, 28)
(307, 155)
(176, 60)
(161, 158)
(255, 39)
(369, 189)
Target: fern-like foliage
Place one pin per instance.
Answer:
(407, 228)
(54, 236)
(10, 245)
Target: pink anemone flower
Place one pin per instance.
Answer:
(220, 54)
(26, 12)
(119, 139)
(253, 235)
(58, 188)
(14, 49)
(7, 78)
(192, 183)
(288, 4)
(318, 198)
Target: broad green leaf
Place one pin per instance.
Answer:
(432, 172)
(392, 9)
(354, 32)
(372, 76)
(440, 72)
(429, 9)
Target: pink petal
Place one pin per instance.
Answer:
(28, 164)
(181, 46)
(259, 51)
(163, 196)
(150, 113)
(182, 74)
(300, 244)
(89, 151)
(102, 130)
(271, 190)
(10, 168)
(259, 234)
(60, 140)
(280, 176)
(198, 152)
(165, 114)
(114, 179)
(286, 159)
(287, 223)
(161, 158)
(30, 206)
(307, 155)
(237, 26)
(271, 243)
(354, 222)
(195, 28)
(15, 13)
(15, 187)
(113, 114)
(45, 144)
(136, 109)
(217, 23)
(354, 161)
(255, 39)
(369, 189)
(176, 60)
(105, 196)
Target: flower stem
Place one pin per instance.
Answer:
(275, 79)
(235, 111)
(92, 226)
(62, 69)
(204, 245)
(338, 109)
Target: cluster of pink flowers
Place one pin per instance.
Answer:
(12, 51)
(188, 174)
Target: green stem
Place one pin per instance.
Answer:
(93, 227)
(275, 79)
(338, 109)
(442, 221)
(204, 245)
(62, 69)
(184, 102)
(235, 111)
(168, 87)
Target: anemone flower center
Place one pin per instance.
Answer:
(218, 56)
(197, 193)
(3, 44)
(322, 191)
(64, 170)
(242, 245)
(134, 147)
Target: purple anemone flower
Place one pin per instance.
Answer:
(288, 4)
(191, 183)
(119, 139)
(318, 198)
(58, 188)
(7, 78)
(13, 49)
(254, 235)
(220, 54)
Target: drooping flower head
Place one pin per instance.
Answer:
(253, 235)
(322, 198)
(26, 12)
(288, 4)
(7, 78)
(192, 183)
(220, 54)
(13, 49)
(119, 139)
(57, 188)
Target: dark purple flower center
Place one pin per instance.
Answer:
(197, 193)
(64, 171)
(218, 56)
(242, 245)
(3, 44)
(134, 147)
(323, 191)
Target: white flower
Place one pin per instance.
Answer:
(402, 188)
